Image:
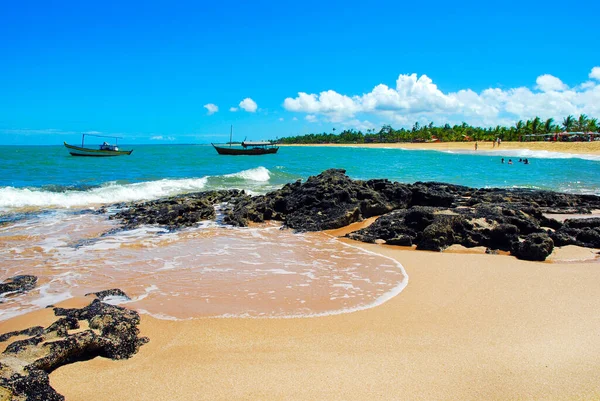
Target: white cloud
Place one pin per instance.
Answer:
(212, 108)
(547, 83)
(295, 119)
(280, 118)
(419, 99)
(162, 138)
(233, 109)
(311, 118)
(249, 105)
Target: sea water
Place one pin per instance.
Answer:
(48, 227)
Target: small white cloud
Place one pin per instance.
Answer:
(249, 105)
(295, 119)
(212, 108)
(162, 138)
(233, 109)
(311, 118)
(280, 118)
(547, 83)
(595, 74)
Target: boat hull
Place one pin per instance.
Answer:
(79, 151)
(248, 151)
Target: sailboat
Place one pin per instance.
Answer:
(247, 147)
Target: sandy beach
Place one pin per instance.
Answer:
(591, 148)
(467, 326)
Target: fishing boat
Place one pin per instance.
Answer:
(246, 148)
(106, 149)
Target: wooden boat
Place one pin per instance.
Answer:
(247, 148)
(106, 149)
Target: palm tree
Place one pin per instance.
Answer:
(549, 125)
(519, 126)
(535, 125)
(582, 122)
(592, 125)
(568, 123)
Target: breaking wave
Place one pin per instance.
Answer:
(113, 192)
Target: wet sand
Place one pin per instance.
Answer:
(467, 326)
(591, 148)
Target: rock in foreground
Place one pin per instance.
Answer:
(25, 364)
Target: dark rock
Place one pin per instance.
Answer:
(112, 333)
(438, 235)
(329, 200)
(593, 222)
(18, 284)
(503, 236)
(430, 215)
(534, 247)
(177, 211)
(115, 292)
(32, 331)
(434, 194)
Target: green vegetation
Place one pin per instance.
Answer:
(535, 129)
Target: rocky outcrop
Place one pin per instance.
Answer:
(18, 284)
(114, 292)
(536, 246)
(581, 232)
(25, 364)
(430, 215)
(329, 200)
(177, 211)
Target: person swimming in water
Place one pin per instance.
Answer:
(503, 160)
(509, 161)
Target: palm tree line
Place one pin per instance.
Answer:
(533, 129)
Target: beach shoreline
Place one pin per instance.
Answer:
(579, 148)
(491, 327)
(468, 326)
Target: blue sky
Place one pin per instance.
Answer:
(151, 71)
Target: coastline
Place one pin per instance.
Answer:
(585, 148)
(469, 325)
(491, 327)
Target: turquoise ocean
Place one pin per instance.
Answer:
(47, 176)
(48, 226)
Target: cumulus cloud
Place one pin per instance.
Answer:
(281, 119)
(417, 98)
(233, 109)
(311, 118)
(249, 105)
(547, 83)
(212, 108)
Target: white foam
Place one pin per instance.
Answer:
(523, 153)
(115, 300)
(110, 193)
(260, 173)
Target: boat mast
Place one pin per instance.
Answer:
(230, 134)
